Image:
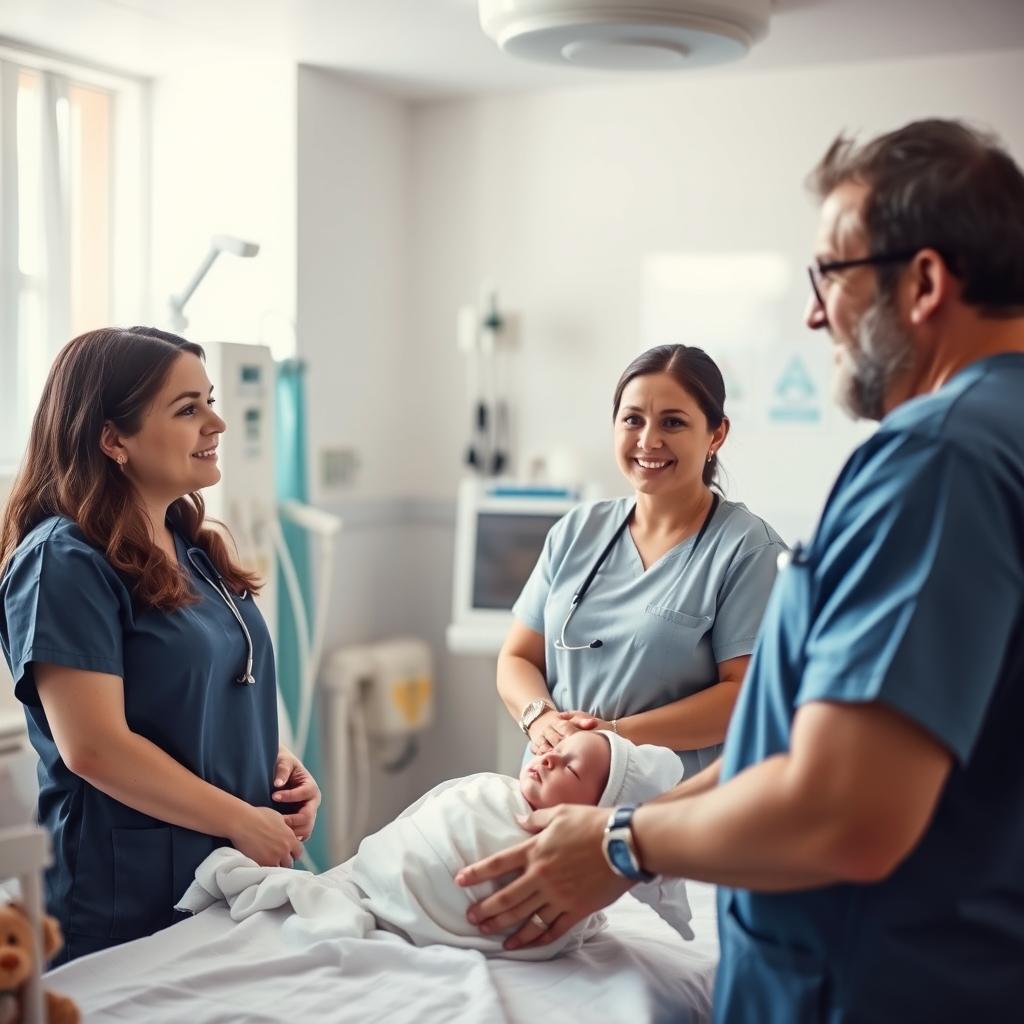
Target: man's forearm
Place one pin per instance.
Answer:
(757, 831)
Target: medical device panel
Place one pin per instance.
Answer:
(499, 535)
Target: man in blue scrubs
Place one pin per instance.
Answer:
(866, 821)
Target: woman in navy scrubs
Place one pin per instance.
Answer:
(145, 668)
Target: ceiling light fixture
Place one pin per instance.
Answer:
(626, 35)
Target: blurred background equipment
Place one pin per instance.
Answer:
(378, 698)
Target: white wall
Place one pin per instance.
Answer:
(354, 156)
(561, 196)
(223, 145)
(353, 159)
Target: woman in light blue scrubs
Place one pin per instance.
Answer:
(656, 645)
(145, 667)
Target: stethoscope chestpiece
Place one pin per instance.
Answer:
(796, 557)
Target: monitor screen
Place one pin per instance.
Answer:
(507, 548)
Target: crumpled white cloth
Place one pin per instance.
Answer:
(322, 907)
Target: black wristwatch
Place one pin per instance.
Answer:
(620, 847)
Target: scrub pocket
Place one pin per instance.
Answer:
(143, 881)
(762, 982)
(670, 648)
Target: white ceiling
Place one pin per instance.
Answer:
(430, 48)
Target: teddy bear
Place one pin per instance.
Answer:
(16, 964)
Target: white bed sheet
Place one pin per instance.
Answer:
(209, 970)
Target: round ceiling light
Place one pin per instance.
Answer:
(630, 35)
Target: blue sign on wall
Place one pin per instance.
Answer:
(795, 397)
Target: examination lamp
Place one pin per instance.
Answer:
(218, 244)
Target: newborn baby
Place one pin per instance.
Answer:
(402, 879)
(405, 872)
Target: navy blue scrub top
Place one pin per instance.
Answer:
(912, 594)
(117, 873)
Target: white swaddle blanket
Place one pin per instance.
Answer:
(402, 879)
(407, 869)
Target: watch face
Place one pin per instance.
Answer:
(618, 854)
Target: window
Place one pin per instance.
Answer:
(71, 247)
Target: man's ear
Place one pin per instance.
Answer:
(931, 284)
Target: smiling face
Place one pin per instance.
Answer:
(573, 772)
(870, 345)
(662, 437)
(174, 451)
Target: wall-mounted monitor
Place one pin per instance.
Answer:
(499, 534)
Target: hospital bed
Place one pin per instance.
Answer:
(210, 970)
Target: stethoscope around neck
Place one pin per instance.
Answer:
(197, 556)
(577, 598)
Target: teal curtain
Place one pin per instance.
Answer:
(290, 473)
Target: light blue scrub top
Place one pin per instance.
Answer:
(117, 872)
(911, 593)
(663, 630)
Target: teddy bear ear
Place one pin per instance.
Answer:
(52, 937)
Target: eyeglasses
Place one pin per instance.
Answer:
(819, 270)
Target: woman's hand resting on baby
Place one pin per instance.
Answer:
(553, 726)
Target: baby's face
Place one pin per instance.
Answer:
(574, 772)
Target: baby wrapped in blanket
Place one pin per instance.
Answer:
(402, 877)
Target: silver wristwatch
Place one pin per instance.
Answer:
(532, 712)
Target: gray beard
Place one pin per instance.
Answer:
(879, 352)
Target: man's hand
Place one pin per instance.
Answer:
(301, 788)
(564, 877)
(554, 726)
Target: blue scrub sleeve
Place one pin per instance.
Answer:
(742, 601)
(529, 606)
(61, 607)
(920, 581)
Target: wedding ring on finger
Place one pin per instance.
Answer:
(539, 922)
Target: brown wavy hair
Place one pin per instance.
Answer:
(109, 376)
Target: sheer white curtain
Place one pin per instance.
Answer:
(71, 258)
(36, 252)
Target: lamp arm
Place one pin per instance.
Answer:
(178, 301)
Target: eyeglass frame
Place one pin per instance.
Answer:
(823, 267)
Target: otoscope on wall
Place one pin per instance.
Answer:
(486, 336)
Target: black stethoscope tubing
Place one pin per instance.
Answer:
(577, 598)
(195, 555)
